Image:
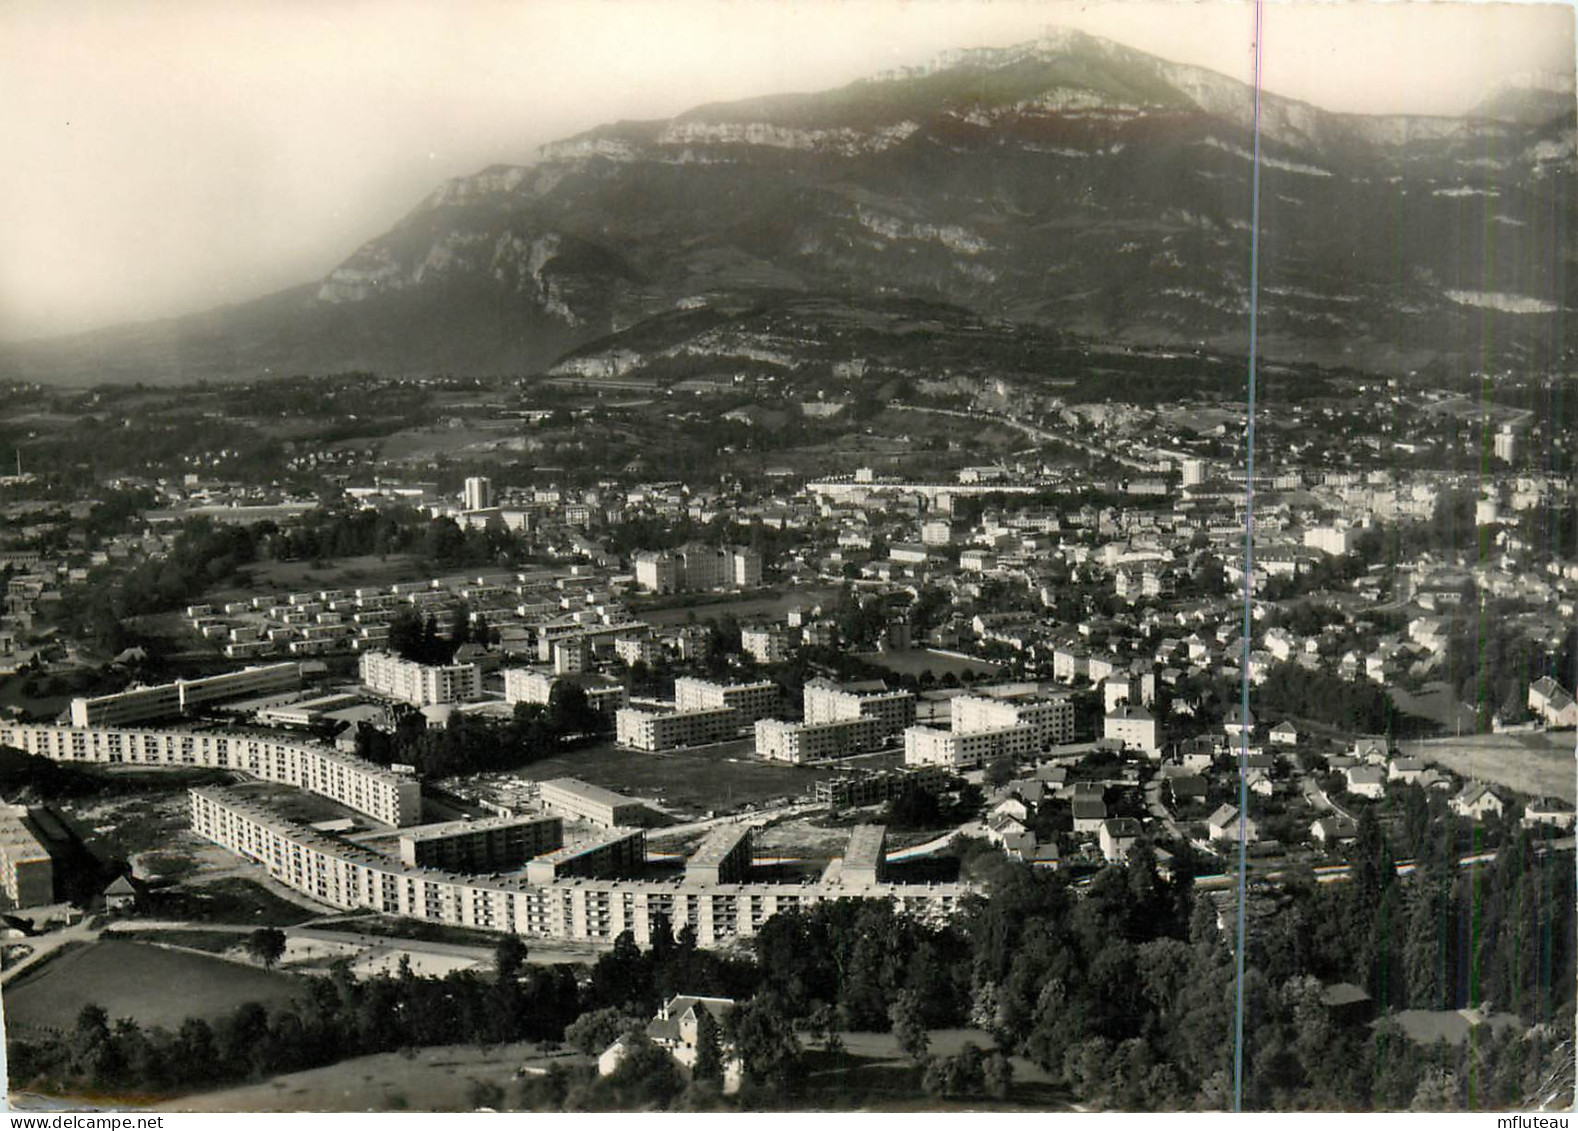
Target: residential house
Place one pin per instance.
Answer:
(676, 1030)
(1223, 825)
(1476, 801)
(1405, 769)
(1552, 812)
(1552, 703)
(1332, 831)
(1089, 813)
(1239, 725)
(1367, 781)
(1116, 836)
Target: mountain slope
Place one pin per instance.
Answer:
(1070, 184)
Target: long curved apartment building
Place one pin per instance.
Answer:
(580, 908)
(364, 786)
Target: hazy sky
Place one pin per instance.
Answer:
(165, 156)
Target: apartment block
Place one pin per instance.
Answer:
(797, 743)
(865, 857)
(879, 786)
(826, 702)
(575, 908)
(421, 685)
(574, 798)
(643, 729)
(752, 701)
(27, 871)
(723, 857)
(484, 845)
(368, 788)
(535, 685)
(167, 700)
(1133, 726)
(617, 852)
(767, 643)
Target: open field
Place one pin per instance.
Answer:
(232, 900)
(433, 1079)
(871, 1073)
(720, 777)
(1539, 764)
(342, 573)
(149, 983)
(914, 661)
(772, 607)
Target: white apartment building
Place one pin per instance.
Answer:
(766, 643)
(798, 743)
(827, 702)
(752, 701)
(1333, 540)
(478, 493)
(572, 797)
(1015, 705)
(535, 685)
(584, 909)
(643, 729)
(363, 786)
(1134, 726)
(167, 700)
(421, 685)
(635, 650)
(1015, 721)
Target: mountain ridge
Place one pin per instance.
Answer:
(1070, 183)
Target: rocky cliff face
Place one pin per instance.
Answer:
(1069, 183)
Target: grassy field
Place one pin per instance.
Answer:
(914, 661)
(231, 900)
(720, 777)
(1539, 764)
(871, 1074)
(434, 1079)
(342, 573)
(773, 607)
(149, 983)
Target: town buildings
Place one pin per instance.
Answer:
(421, 685)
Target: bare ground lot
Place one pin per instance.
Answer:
(149, 983)
(1540, 764)
(721, 777)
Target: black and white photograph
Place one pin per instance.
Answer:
(841, 556)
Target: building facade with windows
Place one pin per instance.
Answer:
(364, 786)
(421, 685)
(578, 908)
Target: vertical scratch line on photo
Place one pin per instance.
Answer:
(1249, 589)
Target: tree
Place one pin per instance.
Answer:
(1000, 771)
(909, 1026)
(510, 958)
(594, 1031)
(709, 1049)
(767, 1046)
(267, 945)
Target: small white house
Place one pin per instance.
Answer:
(1476, 802)
(1223, 825)
(1367, 781)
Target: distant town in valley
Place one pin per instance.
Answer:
(801, 702)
